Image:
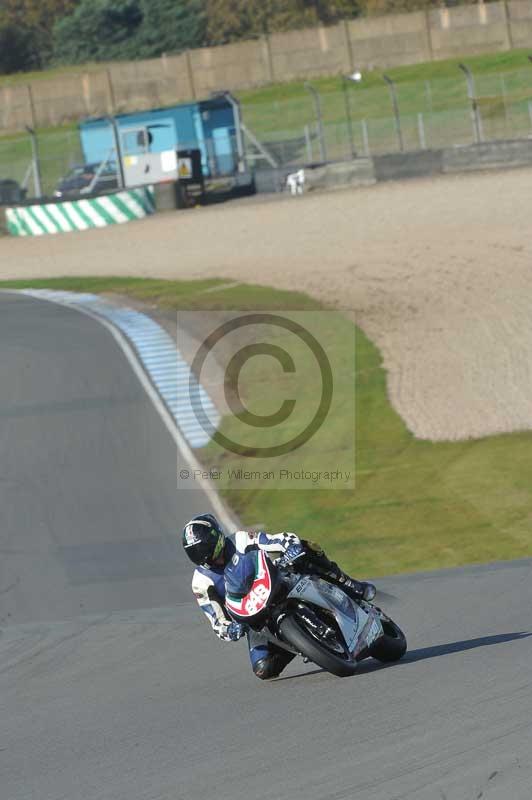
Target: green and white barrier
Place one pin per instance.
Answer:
(79, 215)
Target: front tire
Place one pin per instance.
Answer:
(391, 646)
(295, 634)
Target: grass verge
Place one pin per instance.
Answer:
(417, 505)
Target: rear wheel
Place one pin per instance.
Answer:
(391, 646)
(293, 630)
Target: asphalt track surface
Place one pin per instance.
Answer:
(88, 473)
(105, 695)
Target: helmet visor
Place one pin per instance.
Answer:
(218, 550)
(206, 552)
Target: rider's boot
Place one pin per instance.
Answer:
(318, 561)
(358, 590)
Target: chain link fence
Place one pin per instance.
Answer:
(57, 152)
(311, 125)
(355, 120)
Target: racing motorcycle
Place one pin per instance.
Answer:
(308, 616)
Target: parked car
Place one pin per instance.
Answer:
(11, 192)
(84, 178)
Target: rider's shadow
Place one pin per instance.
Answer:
(423, 653)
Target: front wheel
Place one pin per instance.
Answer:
(294, 632)
(391, 646)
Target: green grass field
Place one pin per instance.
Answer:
(417, 505)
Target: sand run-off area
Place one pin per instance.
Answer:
(438, 272)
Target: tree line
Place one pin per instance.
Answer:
(35, 34)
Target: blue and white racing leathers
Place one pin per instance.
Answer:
(209, 588)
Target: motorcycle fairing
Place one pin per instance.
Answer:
(359, 627)
(372, 630)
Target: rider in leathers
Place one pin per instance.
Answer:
(207, 547)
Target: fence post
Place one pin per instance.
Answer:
(269, 59)
(35, 162)
(308, 143)
(111, 90)
(319, 119)
(365, 137)
(428, 92)
(508, 20)
(190, 74)
(475, 114)
(6, 106)
(480, 125)
(421, 131)
(86, 90)
(348, 117)
(118, 150)
(235, 105)
(33, 118)
(430, 46)
(348, 47)
(395, 106)
(505, 103)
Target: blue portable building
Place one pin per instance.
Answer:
(212, 126)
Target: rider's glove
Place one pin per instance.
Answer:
(235, 631)
(292, 554)
(369, 591)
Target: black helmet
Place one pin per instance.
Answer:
(203, 540)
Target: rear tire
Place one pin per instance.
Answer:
(296, 635)
(391, 646)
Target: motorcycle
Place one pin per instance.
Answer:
(309, 616)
